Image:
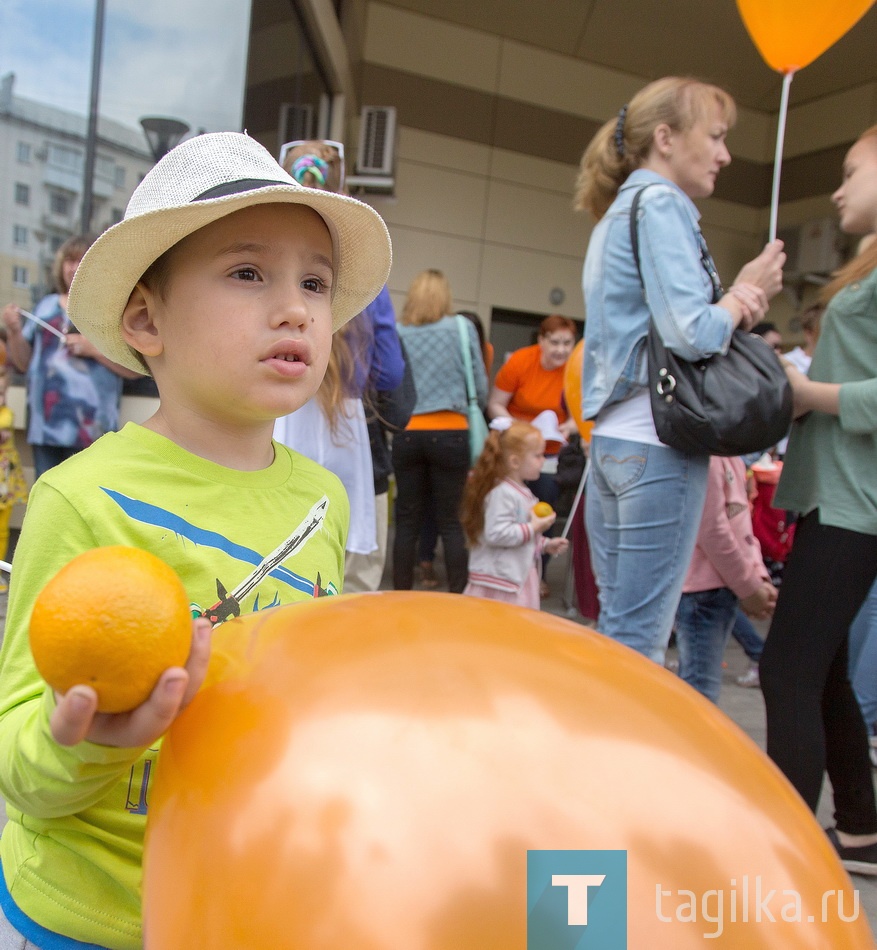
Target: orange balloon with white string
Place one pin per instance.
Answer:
(572, 390)
(790, 34)
(370, 771)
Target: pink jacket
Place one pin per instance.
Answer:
(727, 553)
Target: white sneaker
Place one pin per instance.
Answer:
(750, 677)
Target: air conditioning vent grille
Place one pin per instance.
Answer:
(377, 140)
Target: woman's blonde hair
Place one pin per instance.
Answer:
(679, 102)
(865, 261)
(490, 469)
(429, 299)
(339, 383)
(73, 249)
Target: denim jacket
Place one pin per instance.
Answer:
(678, 291)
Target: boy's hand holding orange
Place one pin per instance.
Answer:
(112, 633)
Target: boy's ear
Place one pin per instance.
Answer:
(138, 327)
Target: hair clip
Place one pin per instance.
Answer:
(619, 131)
(501, 423)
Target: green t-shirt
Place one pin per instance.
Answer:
(831, 461)
(73, 846)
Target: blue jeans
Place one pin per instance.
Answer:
(863, 658)
(643, 509)
(703, 625)
(747, 636)
(48, 456)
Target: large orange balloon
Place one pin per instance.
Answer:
(572, 390)
(790, 34)
(369, 771)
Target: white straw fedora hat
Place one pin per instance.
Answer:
(201, 180)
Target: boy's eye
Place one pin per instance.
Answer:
(246, 273)
(315, 285)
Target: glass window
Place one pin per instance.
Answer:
(68, 159)
(19, 235)
(19, 276)
(116, 215)
(105, 168)
(59, 203)
(296, 104)
(24, 153)
(120, 176)
(22, 194)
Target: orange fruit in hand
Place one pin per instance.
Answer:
(114, 618)
(542, 509)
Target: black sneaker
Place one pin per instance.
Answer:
(861, 860)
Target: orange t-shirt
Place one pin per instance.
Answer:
(533, 388)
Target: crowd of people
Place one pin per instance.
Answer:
(293, 271)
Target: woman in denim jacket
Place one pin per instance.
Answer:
(644, 498)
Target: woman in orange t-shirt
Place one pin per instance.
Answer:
(531, 381)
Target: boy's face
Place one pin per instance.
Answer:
(243, 326)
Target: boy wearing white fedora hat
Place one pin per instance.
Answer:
(225, 281)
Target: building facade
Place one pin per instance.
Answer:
(495, 104)
(42, 158)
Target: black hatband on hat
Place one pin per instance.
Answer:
(237, 187)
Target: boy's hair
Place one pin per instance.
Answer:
(73, 249)
(490, 469)
(200, 181)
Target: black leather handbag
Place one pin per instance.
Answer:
(728, 404)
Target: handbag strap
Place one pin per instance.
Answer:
(463, 329)
(705, 256)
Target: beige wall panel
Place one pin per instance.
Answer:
(807, 209)
(727, 214)
(832, 120)
(528, 170)
(522, 280)
(415, 250)
(563, 83)
(429, 148)
(270, 53)
(533, 218)
(437, 199)
(427, 47)
(753, 136)
(731, 250)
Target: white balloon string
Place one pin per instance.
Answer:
(778, 157)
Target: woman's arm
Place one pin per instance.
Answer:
(677, 286)
(498, 403)
(811, 396)
(79, 345)
(18, 349)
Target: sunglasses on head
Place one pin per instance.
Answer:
(337, 146)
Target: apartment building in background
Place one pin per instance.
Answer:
(42, 159)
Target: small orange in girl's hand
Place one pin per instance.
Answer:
(114, 618)
(542, 509)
